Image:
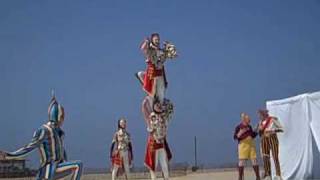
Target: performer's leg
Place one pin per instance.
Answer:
(140, 76)
(256, 168)
(275, 153)
(114, 172)
(125, 157)
(164, 163)
(66, 168)
(43, 172)
(265, 150)
(153, 173)
(241, 169)
(47, 172)
(160, 88)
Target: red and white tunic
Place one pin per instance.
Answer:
(123, 146)
(154, 80)
(156, 140)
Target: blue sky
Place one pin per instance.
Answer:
(234, 55)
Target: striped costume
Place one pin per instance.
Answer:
(48, 139)
(269, 142)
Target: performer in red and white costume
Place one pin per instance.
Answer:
(154, 80)
(268, 128)
(158, 150)
(121, 151)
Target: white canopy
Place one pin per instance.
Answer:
(300, 142)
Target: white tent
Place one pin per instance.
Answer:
(300, 142)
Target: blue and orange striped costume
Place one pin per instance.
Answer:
(48, 139)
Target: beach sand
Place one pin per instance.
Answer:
(208, 175)
(214, 175)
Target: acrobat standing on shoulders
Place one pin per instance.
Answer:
(153, 79)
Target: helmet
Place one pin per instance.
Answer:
(55, 111)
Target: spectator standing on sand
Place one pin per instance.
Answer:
(246, 145)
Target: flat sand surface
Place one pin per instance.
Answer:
(219, 175)
(208, 175)
(214, 175)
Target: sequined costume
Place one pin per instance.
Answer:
(121, 152)
(154, 79)
(157, 150)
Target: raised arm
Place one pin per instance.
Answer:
(144, 47)
(37, 139)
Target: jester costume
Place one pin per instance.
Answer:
(268, 128)
(121, 153)
(48, 139)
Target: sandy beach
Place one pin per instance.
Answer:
(214, 175)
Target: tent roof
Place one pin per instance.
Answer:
(314, 95)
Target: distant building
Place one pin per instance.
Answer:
(14, 168)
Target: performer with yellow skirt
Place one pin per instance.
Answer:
(246, 145)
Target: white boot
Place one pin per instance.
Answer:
(267, 178)
(277, 178)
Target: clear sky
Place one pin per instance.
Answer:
(234, 55)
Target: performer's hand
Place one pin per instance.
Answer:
(3, 155)
(278, 130)
(149, 129)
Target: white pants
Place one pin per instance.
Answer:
(159, 88)
(161, 156)
(125, 156)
